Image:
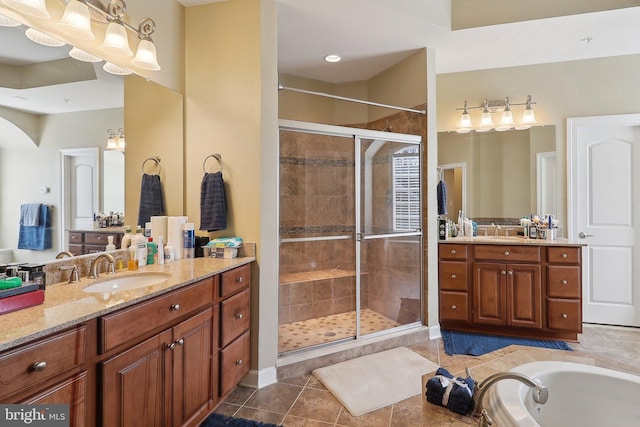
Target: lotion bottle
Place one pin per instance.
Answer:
(110, 245)
(160, 250)
(141, 247)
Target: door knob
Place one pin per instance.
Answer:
(582, 235)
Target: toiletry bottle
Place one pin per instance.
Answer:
(141, 247)
(126, 239)
(189, 240)
(110, 245)
(152, 251)
(160, 250)
(133, 262)
(169, 255)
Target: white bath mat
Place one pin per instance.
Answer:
(377, 380)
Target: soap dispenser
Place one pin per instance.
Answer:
(110, 245)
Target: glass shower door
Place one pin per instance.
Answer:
(389, 236)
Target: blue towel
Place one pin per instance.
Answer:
(37, 237)
(456, 394)
(30, 214)
(151, 201)
(442, 198)
(213, 203)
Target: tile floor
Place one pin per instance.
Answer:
(304, 401)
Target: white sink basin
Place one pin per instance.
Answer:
(125, 283)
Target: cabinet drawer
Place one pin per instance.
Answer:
(76, 249)
(71, 392)
(564, 255)
(35, 363)
(96, 238)
(235, 317)
(234, 363)
(563, 282)
(452, 251)
(564, 314)
(235, 279)
(454, 306)
(506, 253)
(75, 237)
(130, 323)
(453, 276)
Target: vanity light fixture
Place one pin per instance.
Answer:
(112, 68)
(42, 38)
(76, 21)
(506, 120)
(5, 21)
(83, 56)
(36, 8)
(115, 141)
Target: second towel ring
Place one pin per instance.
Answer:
(154, 159)
(218, 157)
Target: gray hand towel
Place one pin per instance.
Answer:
(213, 203)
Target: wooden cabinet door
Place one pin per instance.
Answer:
(525, 295)
(490, 293)
(70, 392)
(192, 364)
(135, 385)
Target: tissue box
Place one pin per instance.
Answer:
(214, 252)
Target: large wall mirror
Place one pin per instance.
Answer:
(50, 103)
(499, 177)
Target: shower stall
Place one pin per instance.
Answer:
(350, 261)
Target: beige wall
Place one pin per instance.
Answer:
(567, 89)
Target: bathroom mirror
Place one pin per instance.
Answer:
(499, 177)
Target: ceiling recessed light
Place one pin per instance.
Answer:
(332, 58)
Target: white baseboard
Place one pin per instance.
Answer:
(434, 332)
(261, 378)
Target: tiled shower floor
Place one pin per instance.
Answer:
(305, 333)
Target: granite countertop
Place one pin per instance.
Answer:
(512, 240)
(66, 304)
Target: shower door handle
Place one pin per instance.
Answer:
(359, 237)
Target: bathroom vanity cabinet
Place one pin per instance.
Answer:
(168, 360)
(529, 290)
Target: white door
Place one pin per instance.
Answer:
(604, 174)
(81, 189)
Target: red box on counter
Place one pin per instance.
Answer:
(17, 302)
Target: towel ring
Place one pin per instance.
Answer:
(155, 159)
(218, 157)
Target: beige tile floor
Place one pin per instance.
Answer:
(304, 401)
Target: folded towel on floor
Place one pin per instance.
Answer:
(213, 203)
(151, 200)
(37, 237)
(30, 214)
(455, 394)
(442, 198)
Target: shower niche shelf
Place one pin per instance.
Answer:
(312, 276)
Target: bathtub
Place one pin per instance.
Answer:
(579, 395)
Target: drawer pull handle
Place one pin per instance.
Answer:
(506, 253)
(239, 316)
(453, 276)
(239, 279)
(510, 272)
(174, 307)
(564, 282)
(453, 252)
(454, 307)
(176, 343)
(564, 255)
(39, 366)
(565, 316)
(238, 362)
(503, 272)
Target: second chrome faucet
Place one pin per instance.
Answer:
(93, 269)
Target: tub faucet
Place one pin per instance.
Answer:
(540, 392)
(93, 270)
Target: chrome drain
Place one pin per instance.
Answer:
(329, 334)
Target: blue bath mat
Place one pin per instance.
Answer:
(218, 420)
(478, 344)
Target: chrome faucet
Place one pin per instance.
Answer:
(74, 277)
(497, 231)
(540, 393)
(64, 254)
(93, 270)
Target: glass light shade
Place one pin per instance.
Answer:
(112, 144)
(464, 125)
(76, 21)
(83, 56)
(146, 57)
(506, 121)
(5, 21)
(528, 119)
(37, 8)
(42, 38)
(115, 69)
(121, 142)
(116, 40)
(486, 122)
